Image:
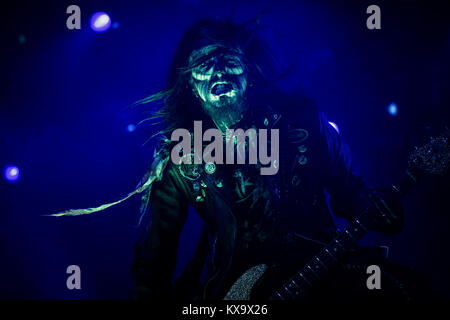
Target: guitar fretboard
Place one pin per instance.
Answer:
(320, 264)
(299, 284)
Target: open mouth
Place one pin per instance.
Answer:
(220, 88)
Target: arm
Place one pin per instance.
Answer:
(349, 194)
(156, 251)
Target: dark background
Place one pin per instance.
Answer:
(63, 119)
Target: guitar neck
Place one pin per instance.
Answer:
(298, 285)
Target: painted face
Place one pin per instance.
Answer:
(219, 79)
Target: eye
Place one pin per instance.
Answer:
(206, 65)
(233, 63)
(203, 67)
(234, 66)
(234, 69)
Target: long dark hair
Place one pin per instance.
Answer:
(179, 106)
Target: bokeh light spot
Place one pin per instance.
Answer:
(100, 22)
(131, 127)
(11, 173)
(392, 109)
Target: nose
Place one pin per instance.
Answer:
(219, 74)
(219, 68)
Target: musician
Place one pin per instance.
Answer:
(224, 75)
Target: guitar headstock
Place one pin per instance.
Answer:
(433, 157)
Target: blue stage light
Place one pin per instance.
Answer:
(131, 127)
(334, 125)
(392, 109)
(11, 173)
(100, 22)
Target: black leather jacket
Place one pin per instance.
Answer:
(247, 216)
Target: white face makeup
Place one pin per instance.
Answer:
(219, 79)
(230, 65)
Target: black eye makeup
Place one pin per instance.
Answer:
(232, 65)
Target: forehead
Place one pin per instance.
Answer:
(213, 50)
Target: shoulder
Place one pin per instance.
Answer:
(296, 109)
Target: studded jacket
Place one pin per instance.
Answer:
(248, 217)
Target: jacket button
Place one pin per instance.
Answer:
(210, 167)
(302, 148)
(302, 160)
(196, 186)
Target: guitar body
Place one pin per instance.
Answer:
(260, 278)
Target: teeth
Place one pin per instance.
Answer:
(219, 82)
